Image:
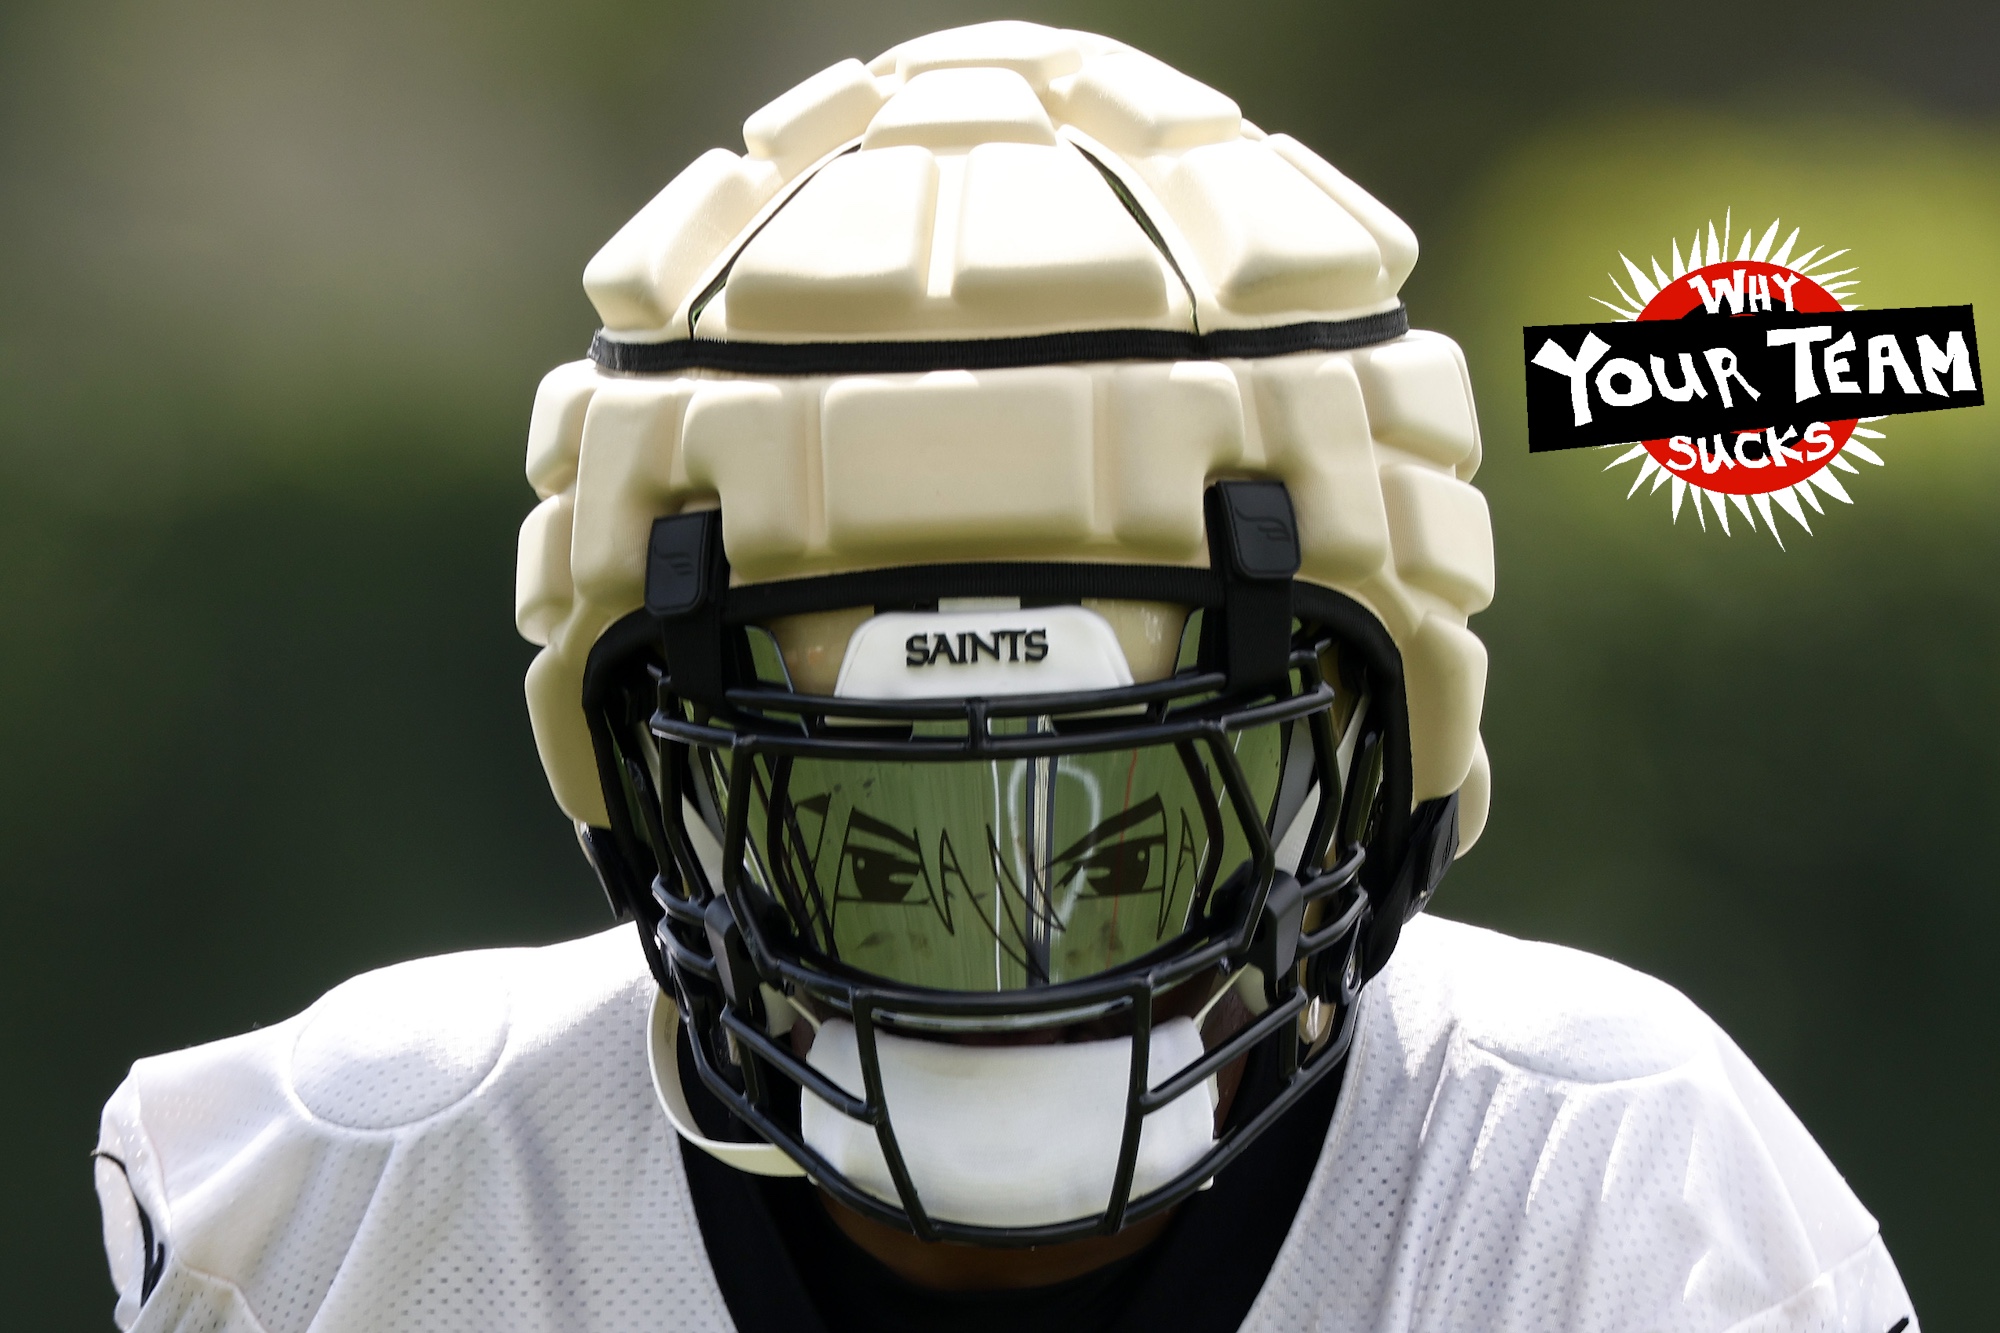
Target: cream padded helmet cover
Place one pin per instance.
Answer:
(967, 212)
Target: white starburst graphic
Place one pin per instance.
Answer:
(1706, 275)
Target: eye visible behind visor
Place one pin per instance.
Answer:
(1000, 874)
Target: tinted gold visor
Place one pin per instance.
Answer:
(1004, 874)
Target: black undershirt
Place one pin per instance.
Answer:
(784, 1267)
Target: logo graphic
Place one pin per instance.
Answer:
(1744, 381)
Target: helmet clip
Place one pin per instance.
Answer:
(687, 574)
(1253, 544)
(726, 946)
(1276, 946)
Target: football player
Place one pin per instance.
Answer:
(1002, 577)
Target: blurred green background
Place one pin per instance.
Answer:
(280, 278)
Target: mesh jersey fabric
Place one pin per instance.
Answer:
(1528, 1139)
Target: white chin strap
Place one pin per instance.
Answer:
(993, 1135)
(1010, 1135)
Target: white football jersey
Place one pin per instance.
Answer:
(1529, 1140)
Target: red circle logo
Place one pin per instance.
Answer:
(1746, 462)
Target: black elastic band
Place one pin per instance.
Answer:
(1042, 349)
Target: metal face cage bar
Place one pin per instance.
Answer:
(1130, 992)
(718, 948)
(621, 862)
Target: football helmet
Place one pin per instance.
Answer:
(1002, 578)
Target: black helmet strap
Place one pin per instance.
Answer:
(1253, 546)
